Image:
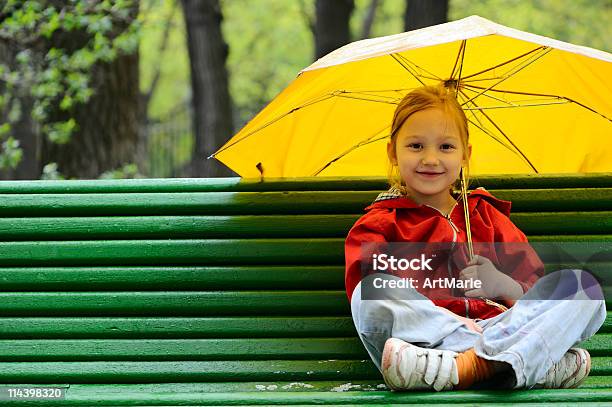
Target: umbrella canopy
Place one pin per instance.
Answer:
(534, 104)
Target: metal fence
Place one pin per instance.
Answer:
(170, 143)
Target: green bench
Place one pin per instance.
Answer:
(226, 292)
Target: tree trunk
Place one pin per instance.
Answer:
(212, 114)
(25, 130)
(332, 25)
(423, 13)
(108, 124)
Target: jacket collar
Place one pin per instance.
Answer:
(393, 199)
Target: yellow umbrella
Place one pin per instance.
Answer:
(534, 104)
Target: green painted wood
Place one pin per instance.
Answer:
(176, 227)
(257, 393)
(188, 327)
(186, 346)
(326, 251)
(190, 203)
(560, 223)
(206, 349)
(571, 238)
(178, 303)
(184, 371)
(142, 391)
(209, 252)
(556, 200)
(172, 327)
(177, 277)
(505, 181)
(196, 278)
(599, 345)
(175, 394)
(272, 226)
(209, 371)
(175, 303)
(181, 349)
(285, 202)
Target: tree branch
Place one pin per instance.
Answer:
(308, 18)
(368, 20)
(162, 48)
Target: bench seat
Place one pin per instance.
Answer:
(231, 292)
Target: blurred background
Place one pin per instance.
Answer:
(149, 88)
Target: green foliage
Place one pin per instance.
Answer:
(127, 171)
(268, 45)
(50, 172)
(11, 153)
(54, 77)
(581, 22)
(174, 84)
(270, 41)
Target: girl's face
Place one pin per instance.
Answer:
(429, 153)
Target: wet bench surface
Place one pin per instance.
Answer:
(221, 291)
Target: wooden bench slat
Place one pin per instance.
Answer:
(325, 251)
(199, 278)
(209, 371)
(507, 181)
(186, 327)
(174, 394)
(206, 349)
(173, 327)
(179, 278)
(178, 303)
(175, 303)
(272, 226)
(277, 203)
(143, 390)
(180, 349)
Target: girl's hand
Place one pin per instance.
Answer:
(495, 284)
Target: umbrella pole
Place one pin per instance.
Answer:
(466, 214)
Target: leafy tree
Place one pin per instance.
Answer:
(63, 64)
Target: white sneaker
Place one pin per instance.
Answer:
(569, 372)
(409, 367)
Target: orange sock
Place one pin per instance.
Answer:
(472, 369)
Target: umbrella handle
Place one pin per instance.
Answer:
(466, 214)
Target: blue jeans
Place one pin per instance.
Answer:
(531, 336)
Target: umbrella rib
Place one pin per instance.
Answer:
(460, 56)
(482, 127)
(545, 95)
(506, 137)
(467, 87)
(363, 98)
(403, 63)
(493, 136)
(506, 62)
(515, 106)
(263, 126)
(356, 146)
(517, 70)
(431, 74)
(407, 69)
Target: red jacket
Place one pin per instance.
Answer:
(400, 219)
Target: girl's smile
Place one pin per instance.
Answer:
(429, 153)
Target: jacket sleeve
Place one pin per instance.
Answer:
(368, 229)
(516, 256)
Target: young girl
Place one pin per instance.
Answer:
(424, 336)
